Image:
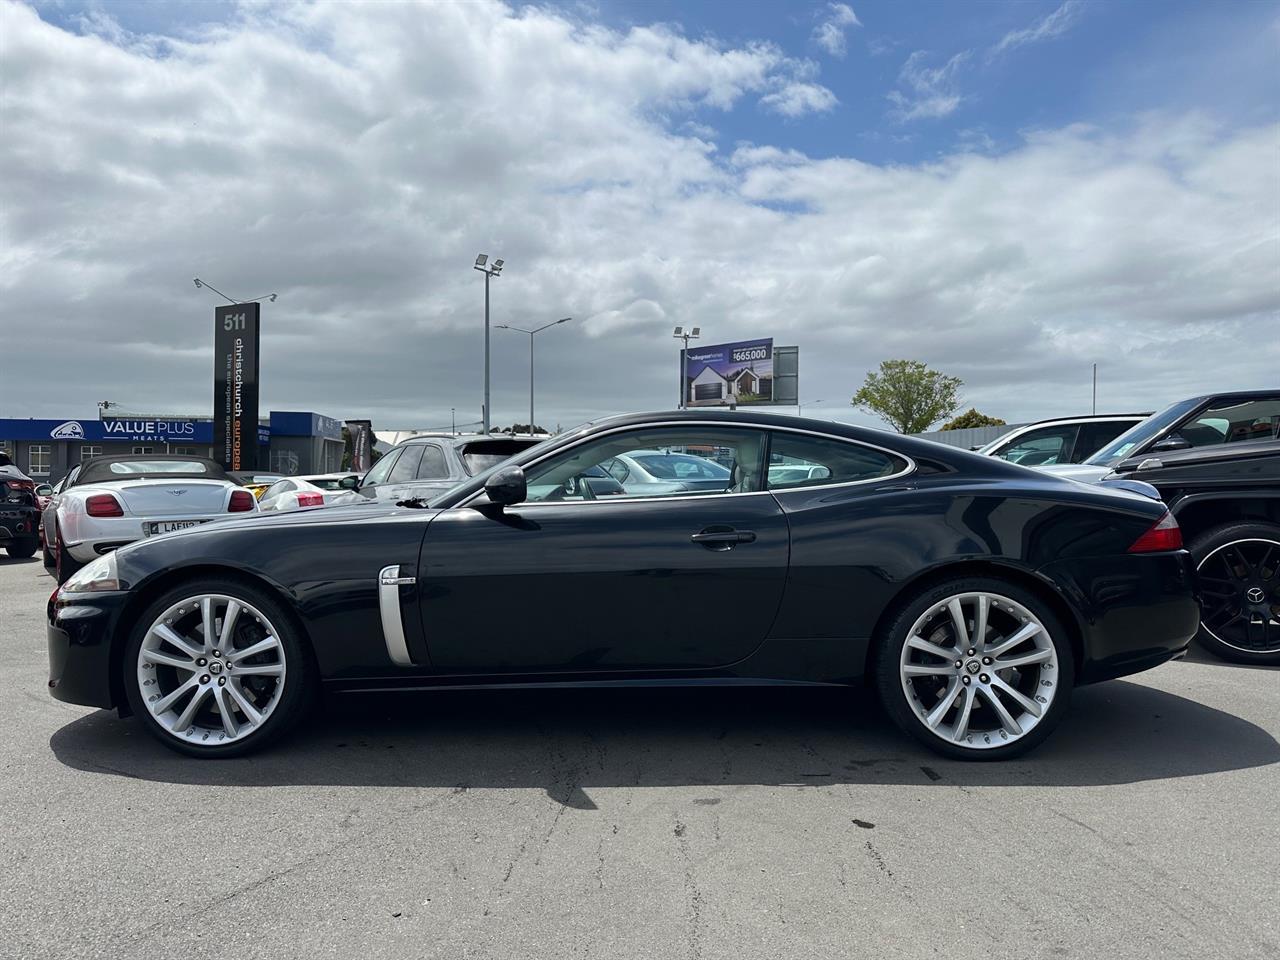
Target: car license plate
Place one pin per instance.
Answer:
(168, 526)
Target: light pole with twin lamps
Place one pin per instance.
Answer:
(545, 326)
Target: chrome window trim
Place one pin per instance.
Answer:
(911, 465)
(389, 583)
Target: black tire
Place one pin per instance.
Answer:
(47, 556)
(902, 709)
(21, 549)
(1225, 596)
(65, 565)
(301, 683)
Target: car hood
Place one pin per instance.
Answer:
(1083, 472)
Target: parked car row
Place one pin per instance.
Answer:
(744, 532)
(1215, 460)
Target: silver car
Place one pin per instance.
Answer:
(424, 466)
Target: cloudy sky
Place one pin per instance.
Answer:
(1008, 191)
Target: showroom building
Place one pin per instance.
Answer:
(289, 442)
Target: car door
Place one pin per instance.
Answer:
(377, 474)
(571, 581)
(1042, 446)
(432, 474)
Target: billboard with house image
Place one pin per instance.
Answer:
(729, 373)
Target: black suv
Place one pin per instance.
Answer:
(1216, 462)
(19, 512)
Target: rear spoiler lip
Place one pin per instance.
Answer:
(1133, 486)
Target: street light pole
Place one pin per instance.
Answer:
(507, 326)
(686, 335)
(800, 406)
(208, 286)
(488, 271)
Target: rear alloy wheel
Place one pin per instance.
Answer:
(1239, 572)
(976, 669)
(217, 669)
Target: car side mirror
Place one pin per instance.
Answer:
(349, 483)
(1174, 442)
(506, 486)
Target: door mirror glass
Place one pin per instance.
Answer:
(1171, 443)
(506, 486)
(349, 483)
(44, 490)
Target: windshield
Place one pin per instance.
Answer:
(1141, 434)
(133, 467)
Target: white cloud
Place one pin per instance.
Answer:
(1053, 25)
(356, 157)
(796, 99)
(931, 91)
(829, 34)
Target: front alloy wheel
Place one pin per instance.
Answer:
(213, 670)
(978, 670)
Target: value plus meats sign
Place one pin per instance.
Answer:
(235, 386)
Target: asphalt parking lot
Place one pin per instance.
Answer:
(641, 823)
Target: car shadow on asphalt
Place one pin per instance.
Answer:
(569, 741)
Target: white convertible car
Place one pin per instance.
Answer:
(107, 502)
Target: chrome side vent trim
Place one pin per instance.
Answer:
(389, 583)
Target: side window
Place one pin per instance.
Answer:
(800, 460)
(1095, 436)
(1234, 423)
(582, 472)
(1044, 446)
(407, 466)
(433, 466)
(378, 472)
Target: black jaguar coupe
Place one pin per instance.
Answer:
(971, 594)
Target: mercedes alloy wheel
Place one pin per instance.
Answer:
(1239, 573)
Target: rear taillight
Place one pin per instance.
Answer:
(311, 500)
(103, 505)
(241, 500)
(1164, 535)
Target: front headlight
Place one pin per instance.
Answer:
(98, 576)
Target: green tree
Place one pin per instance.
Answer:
(972, 418)
(908, 396)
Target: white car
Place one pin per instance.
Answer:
(325, 490)
(1061, 441)
(107, 502)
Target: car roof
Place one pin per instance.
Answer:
(97, 470)
(1084, 418)
(463, 439)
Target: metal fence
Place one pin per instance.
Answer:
(968, 437)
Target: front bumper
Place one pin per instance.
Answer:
(81, 668)
(1136, 611)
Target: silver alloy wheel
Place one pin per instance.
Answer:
(211, 669)
(979, 670)
(1240, 582)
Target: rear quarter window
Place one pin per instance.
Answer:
(800, 460)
